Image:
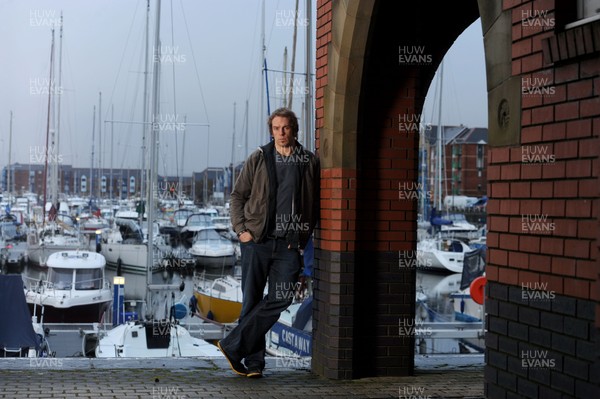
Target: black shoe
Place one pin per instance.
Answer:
(254, 372)
(236, 366)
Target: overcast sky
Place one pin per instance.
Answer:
(214, 48)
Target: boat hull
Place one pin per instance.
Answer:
(90, 313)
(222, 310)
(158, 339)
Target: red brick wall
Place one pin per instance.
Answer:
(543, 214)
(561, 119)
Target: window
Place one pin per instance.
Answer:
(587, 11)
(61, 278)
(479, 157)
(588, 8)
(88, 279)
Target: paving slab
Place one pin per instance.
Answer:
(452, 376)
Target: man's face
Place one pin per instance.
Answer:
(282, 131)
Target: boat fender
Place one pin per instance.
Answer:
(477, 289)
(210, 315)
(119, 263)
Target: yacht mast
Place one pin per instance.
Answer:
(112, 132)
(263, 68)
(440, 136)
(99, 144)
(92, 163)
(55, 142)
(308, 142)
(180, 185)
(48, 127)
(8, 188)
(145, 118)
(153, 163)
(233, 152)
(293, 66)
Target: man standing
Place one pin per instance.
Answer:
(274, 208)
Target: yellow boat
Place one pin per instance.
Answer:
(219, 300)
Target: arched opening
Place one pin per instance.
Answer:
(365, 157)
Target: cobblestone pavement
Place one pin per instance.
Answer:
(211, 378)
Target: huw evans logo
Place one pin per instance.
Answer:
(537, 87)
(161, 328)
(536, 154)
(412, 327)
(412, 393)
(168, 122)
(537, 359)
(412, 191)
(537, 224)
(44, 18)
(45, 362)
(413, 259)
(413, 55)
(412, 123)
(289, 19)
(292, 362)
(43, 86)
(39, 155)
(536, 292)
(168, 191)
(167, 393)
(296, 157)
(288, 86)
(169, 55)
(285, 223)
(537, 19)
(286, 291)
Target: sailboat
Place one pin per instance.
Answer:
(153, 337)
(439, 252)
(55, 234)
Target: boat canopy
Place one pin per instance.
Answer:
(16, 330)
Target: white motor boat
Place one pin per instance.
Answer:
(74, 289)
(441, 254)
(212, 250)
(159, 338)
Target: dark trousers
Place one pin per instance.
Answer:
(273, 260)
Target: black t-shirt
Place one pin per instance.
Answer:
(288, 171)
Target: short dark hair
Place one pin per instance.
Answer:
(284, 113)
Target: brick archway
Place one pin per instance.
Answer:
(362, 91)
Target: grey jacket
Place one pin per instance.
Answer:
(253, 199)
